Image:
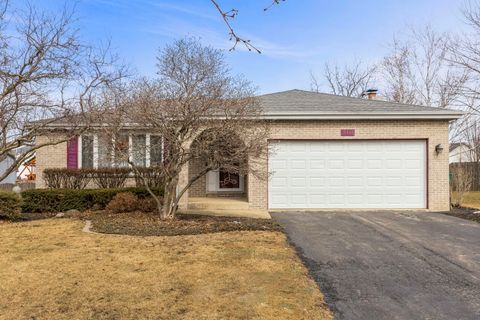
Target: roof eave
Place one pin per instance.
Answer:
(289, 116)
(366, 116)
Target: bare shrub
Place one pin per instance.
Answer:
(67, 178)
(151, 177)
(53, 178)
(461, 182)
(107, 178)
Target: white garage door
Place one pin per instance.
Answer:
(347, 174)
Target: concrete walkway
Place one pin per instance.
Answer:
(391, 265)
(229, 207)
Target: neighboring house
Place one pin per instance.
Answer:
(4, 165)
(459, 152)
(327, 152)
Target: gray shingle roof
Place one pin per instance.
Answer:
(300, 104)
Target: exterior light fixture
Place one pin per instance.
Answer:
(438, 148)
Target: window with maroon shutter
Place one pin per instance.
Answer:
(72, 153)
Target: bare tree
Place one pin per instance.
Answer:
(228, 15)
(417, 70)
(201, 113)
(350, 80)
(465, 54)
(46, 74)
(397, 74)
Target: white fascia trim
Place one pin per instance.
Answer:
(313, 116)
(369, 116)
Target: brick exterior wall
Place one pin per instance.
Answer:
(52, 156)
(199, 188)
(436, 131)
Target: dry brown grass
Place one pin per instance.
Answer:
(470, 199)
(49, 269)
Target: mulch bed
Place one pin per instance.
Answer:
(465, 213)
(149, 224)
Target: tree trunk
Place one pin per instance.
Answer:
(171, 198)
(169, 204)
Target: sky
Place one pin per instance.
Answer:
(295, 37)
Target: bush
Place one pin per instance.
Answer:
(56, 200)
(79, 178)
(151, 177)
(123, 202)
(67, 178)
(148, 204)
(10, 205)
(110, 177)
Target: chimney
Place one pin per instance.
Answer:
(371, 94)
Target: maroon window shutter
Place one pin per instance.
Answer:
(72, 153)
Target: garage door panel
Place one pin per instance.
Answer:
(336, 199)
(317, 199)
(348, 174)
(336, 163)
(355, 198)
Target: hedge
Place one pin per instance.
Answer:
(57, 200)
(64, 178)
(9, 205)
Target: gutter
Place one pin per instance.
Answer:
(369, 116)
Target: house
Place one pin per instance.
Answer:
(326, 152)
(459, 152)
(4, 165)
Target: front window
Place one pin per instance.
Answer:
(121, 150)
(156, 147)
(139, 150)
(102, 151)
(87, 152)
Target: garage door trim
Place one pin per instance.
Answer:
(427, 158)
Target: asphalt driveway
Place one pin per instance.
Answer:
(386, 265)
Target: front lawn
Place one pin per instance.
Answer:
(470, 199)
(49, 269)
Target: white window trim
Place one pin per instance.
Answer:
(130, 150)
(79, 152)
(147, 151)
(95, 151)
